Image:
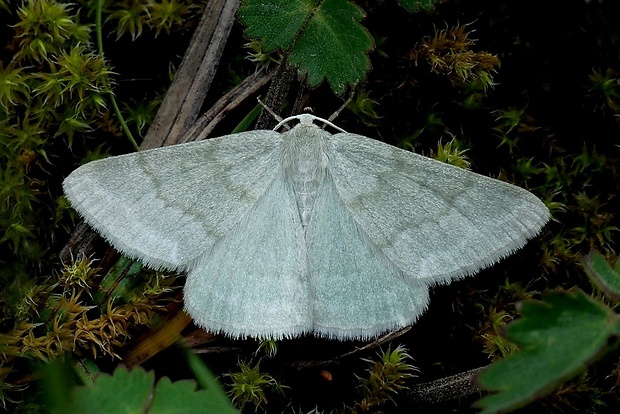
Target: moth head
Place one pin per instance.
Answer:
(308, 120)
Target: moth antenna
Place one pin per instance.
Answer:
(308, 119)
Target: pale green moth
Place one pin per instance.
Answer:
(283, 234)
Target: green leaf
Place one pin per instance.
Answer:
(207, 380)
(135, 392)
(182, 397)
(605, 277)
(123, 392)
(322, 37)
(558, 338)
(417, 5)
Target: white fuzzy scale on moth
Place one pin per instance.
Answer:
(303, 232)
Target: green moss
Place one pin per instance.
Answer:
(387, 376)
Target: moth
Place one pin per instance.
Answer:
(305, 231)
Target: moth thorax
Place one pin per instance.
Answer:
(305, 163)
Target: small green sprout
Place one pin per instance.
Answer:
(44, 27)
(387, 376)
(449, 54)
(451, 154)
(250, 384)
(365, 108)
(607, 86)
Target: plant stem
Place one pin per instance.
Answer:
(117, 111)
